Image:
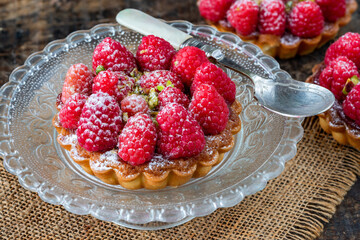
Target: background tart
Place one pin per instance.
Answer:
(159, 172)
(288, 45)
(344, 130)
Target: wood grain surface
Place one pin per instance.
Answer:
(27, 26)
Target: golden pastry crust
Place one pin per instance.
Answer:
(276, 46)
(159, 172)
(333, 120)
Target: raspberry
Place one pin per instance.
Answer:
(134, 104)
(209, 108)
(306, 20)
(351, 104)
(272, 17)
(213, 75)
(336, 74)
(137, 140)
(78, 79)
(326, 77)
(214, 10)
(100, 123)
(159, 77)
(173, 95)
(243, 16)
(115, 84)
(332, 10)
(348, 45)
(113, 56)
(154, 53)
(70, 112)
(180, 134)
(185, 62)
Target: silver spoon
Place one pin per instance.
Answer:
(286, 97)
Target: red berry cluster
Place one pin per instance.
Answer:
(141, 113)
(301, 18)
(341, 74)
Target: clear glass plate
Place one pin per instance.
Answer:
(29, 149)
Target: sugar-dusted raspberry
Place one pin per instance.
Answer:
(213, 75)
(214, 10)
(115, 84)
(185, 62)
(137, 140)
(243, 16)
(351, 104)
(113, 56)
(173, 95)
(209, 108)
(154, 53)
(336, 74)
(100, 123)
(159, 77)
(272, 17)
(347, 45)
(70, 112)
(78, 79)
(134, 104)
(306, 20)
(332, 10)
(180, 134)
(326, 77)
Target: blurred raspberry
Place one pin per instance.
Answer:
(214, 10)
(113, 56)
(100, 123)
(209, 108)
(186, 61)
(137, 140)
(306, 20)
(78, 79)
(272, 17)
(243, 16)
(134, 104)
(70, 112)
(213, 75)
(180, 135)
(154, 53)
(332, 10)
(347, 45)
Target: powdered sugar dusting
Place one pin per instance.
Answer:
(289, 39)
(106, 161)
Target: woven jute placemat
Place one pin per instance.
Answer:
(295, 205)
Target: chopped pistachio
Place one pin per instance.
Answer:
(125, 116)
(153, 99)
(169, 84)
(350, 83)
(99, 69)
(160, 87)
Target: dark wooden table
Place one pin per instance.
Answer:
(27, 26)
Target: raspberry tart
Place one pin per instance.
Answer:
(340, 74)
(281, 28)
(151, 120)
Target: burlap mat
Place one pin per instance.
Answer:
(293, 206)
